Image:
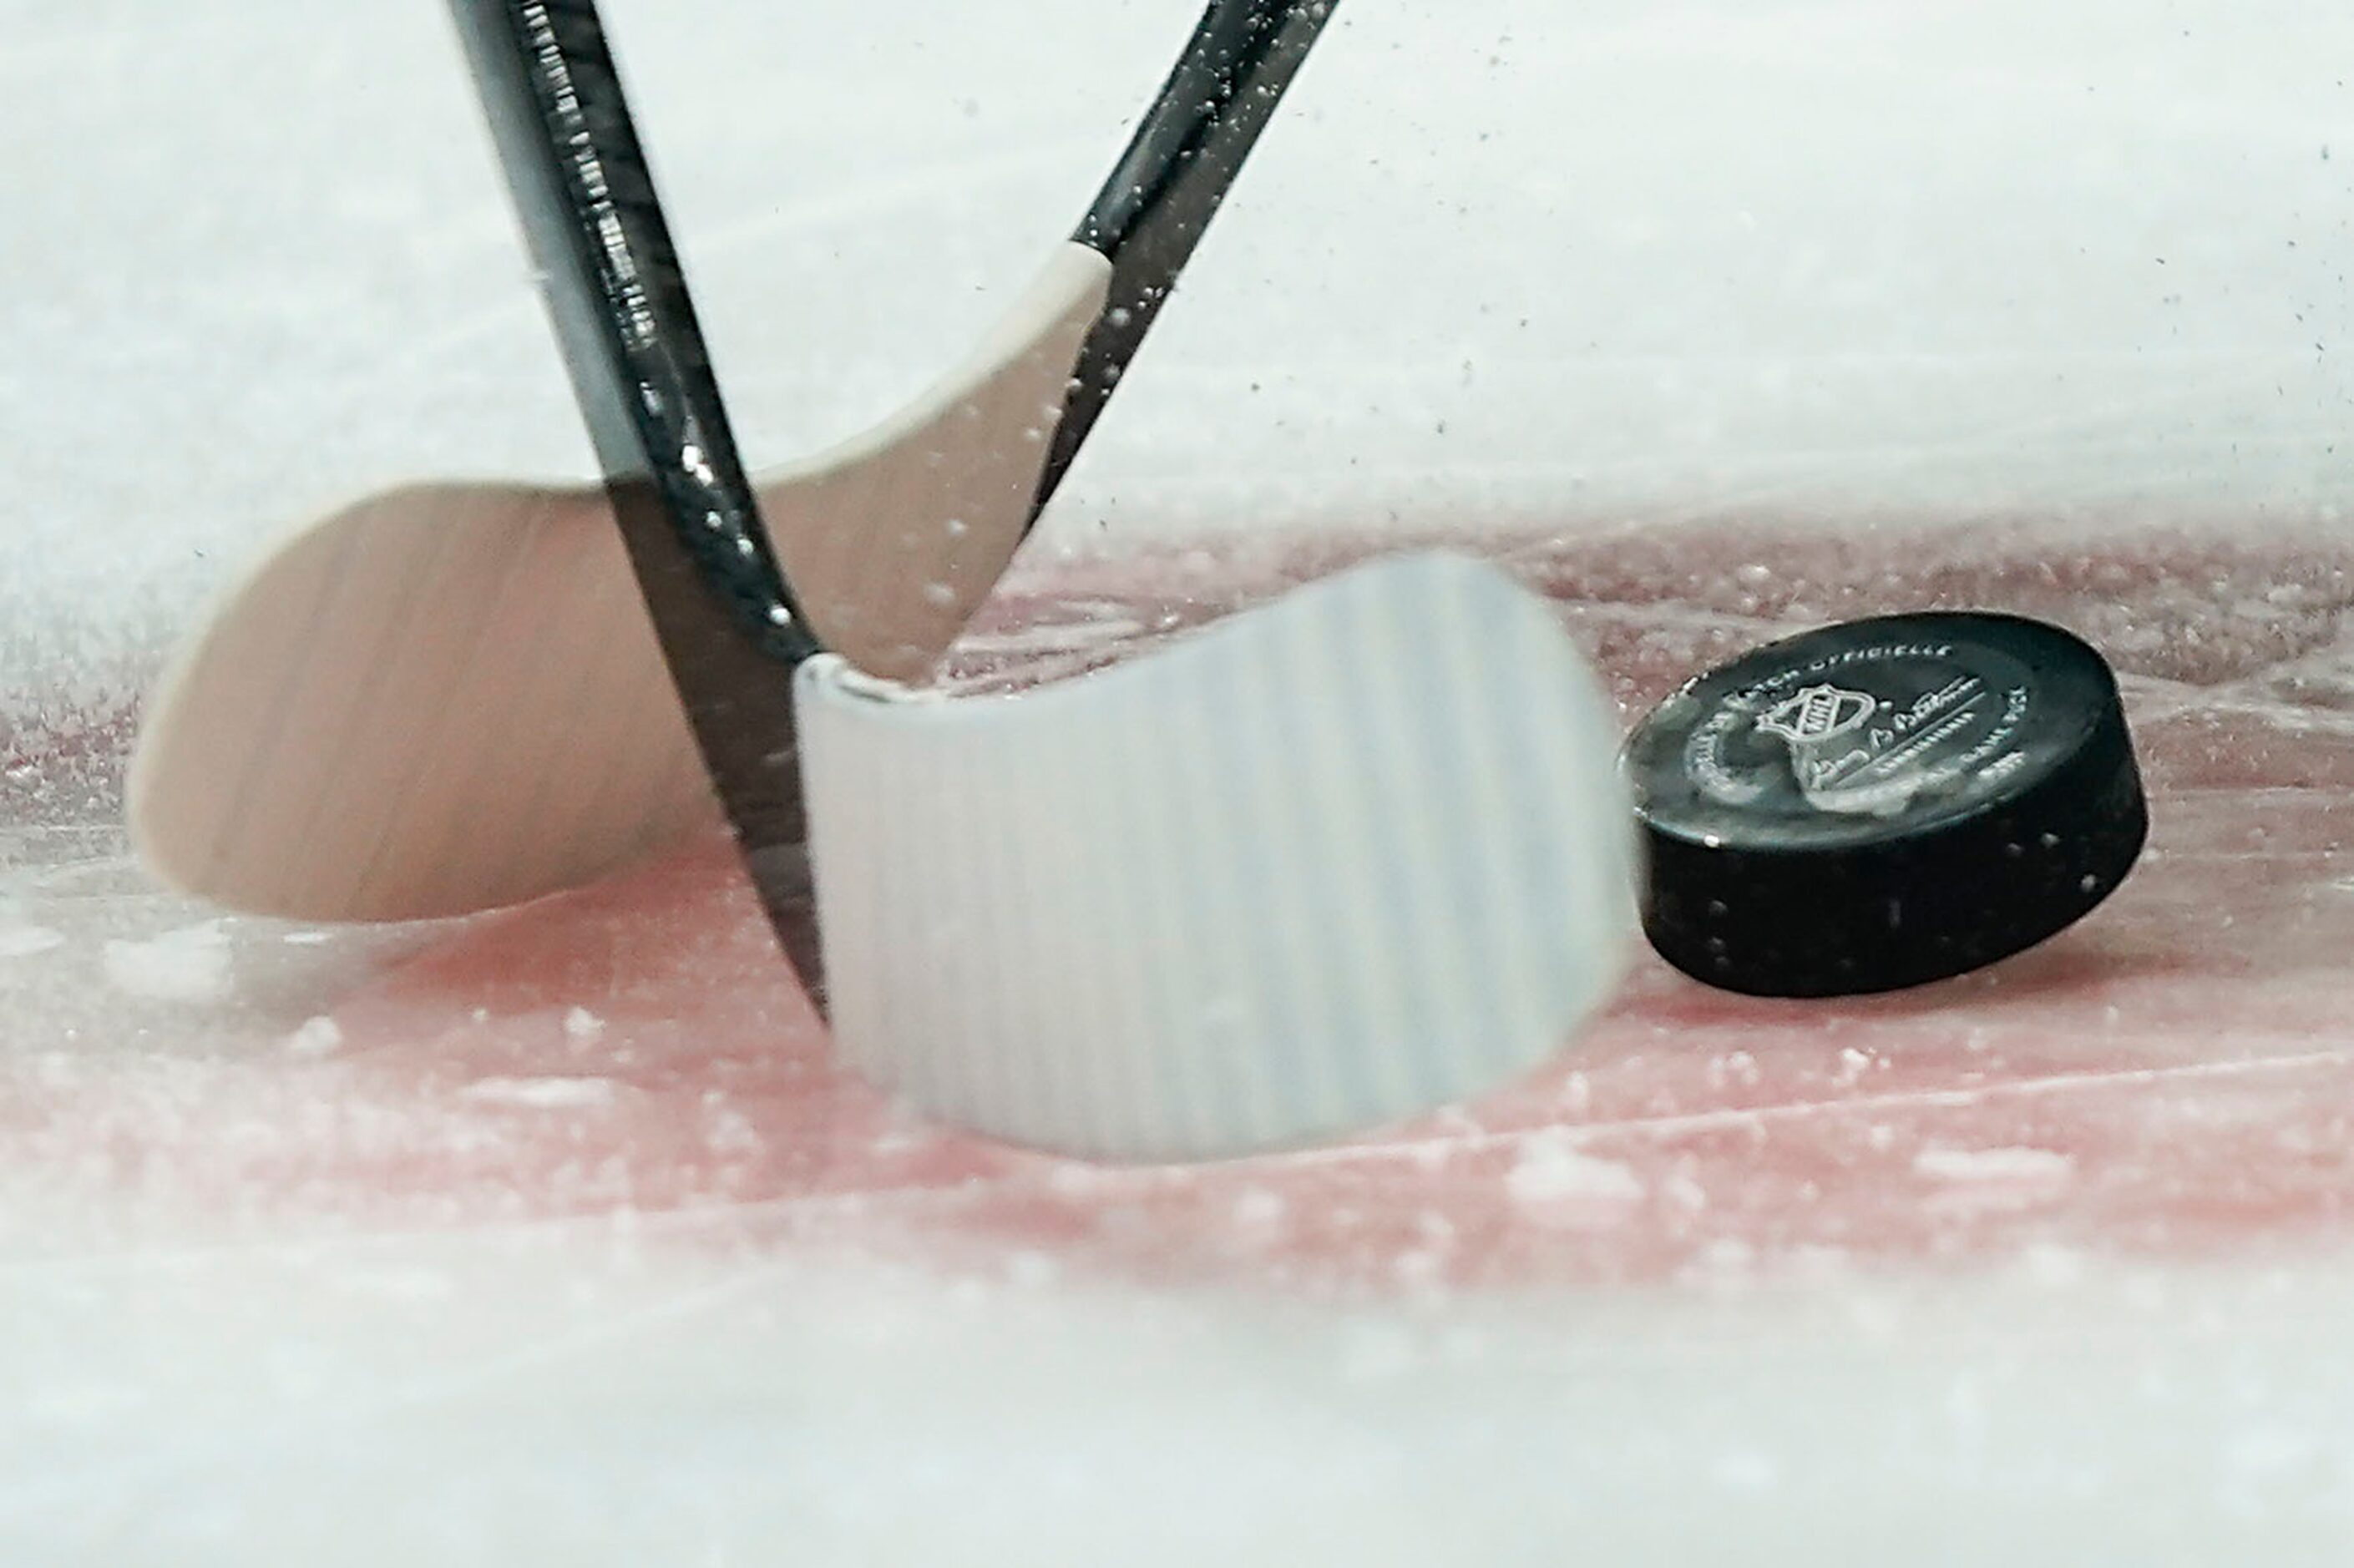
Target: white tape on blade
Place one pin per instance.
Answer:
(1326, 865)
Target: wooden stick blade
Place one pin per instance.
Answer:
(448, 698)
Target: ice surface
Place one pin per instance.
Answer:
(553, 1237)
(2000, 1258)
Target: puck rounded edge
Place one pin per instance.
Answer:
(1883, 803)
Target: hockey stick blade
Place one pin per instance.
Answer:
(449, 698)
(1326, 864)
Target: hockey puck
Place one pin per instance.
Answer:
(1883, 803)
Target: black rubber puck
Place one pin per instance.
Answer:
(1883, 803)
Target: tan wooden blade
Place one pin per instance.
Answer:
(448, 698)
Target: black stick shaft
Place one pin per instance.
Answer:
(1159, 199)
(729, 630)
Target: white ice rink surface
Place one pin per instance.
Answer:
(2079, 262)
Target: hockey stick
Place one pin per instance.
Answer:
(1326, 864)
(390, 716)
